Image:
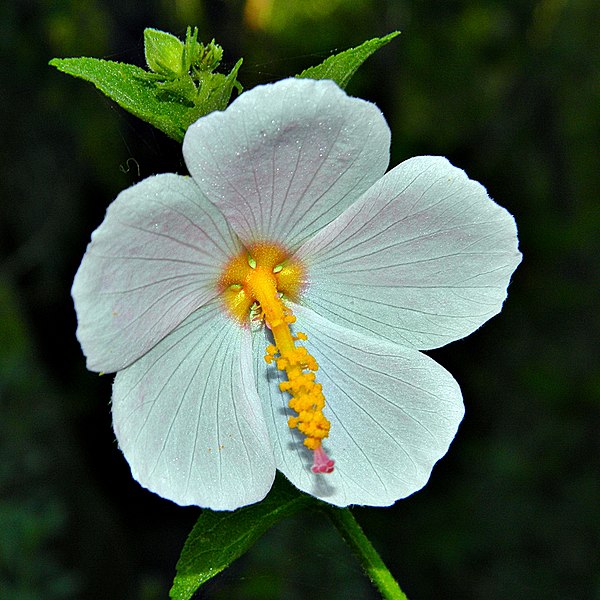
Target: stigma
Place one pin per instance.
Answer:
(253, 286)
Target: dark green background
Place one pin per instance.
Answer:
(509, 91)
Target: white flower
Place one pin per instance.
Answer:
(288, 215)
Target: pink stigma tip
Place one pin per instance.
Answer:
(321, 462)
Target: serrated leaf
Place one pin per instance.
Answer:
(218, 538)
(341, 67)
(142, 94)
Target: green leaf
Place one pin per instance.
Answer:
(144, 95)
(341, 67)
(218, 538)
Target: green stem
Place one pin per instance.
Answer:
(370, 560)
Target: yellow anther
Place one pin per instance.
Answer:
(312, 443)
(307, 398)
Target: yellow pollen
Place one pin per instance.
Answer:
(253, 285)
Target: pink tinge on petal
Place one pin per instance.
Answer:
(321, 462)
(285, 159)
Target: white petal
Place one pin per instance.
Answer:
(285, 159)
(422, 259)
(154, 259)
(188, 418)
(393, 414)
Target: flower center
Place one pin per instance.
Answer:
(253, 285)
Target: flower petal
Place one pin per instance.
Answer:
(188, 418)
(393, 414)
(422, 259)
(154, 259)
(285, 159)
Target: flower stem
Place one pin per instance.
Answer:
(370, 560)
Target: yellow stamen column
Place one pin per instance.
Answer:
(307, 398)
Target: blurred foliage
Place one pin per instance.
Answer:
(508, 90)
(32, 513)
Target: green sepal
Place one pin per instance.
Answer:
(219, 538)
(215, 89)
(169, 106)
(341, 67)
(164, 53)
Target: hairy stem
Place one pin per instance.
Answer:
(369, 559)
